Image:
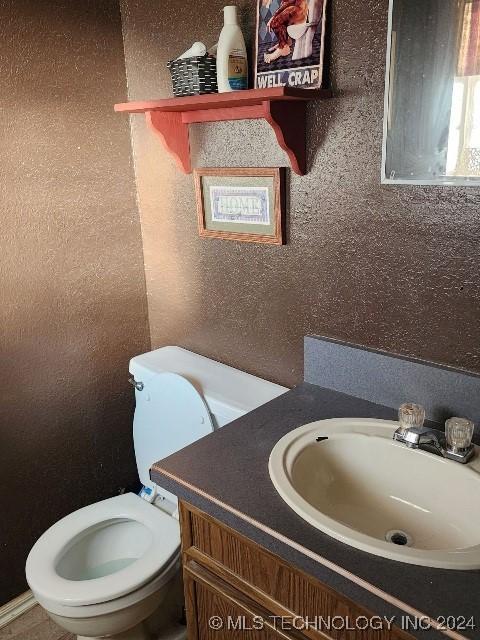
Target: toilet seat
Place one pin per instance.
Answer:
(118, 604)
(54, 553)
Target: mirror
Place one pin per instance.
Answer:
(432, 93)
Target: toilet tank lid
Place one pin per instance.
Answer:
(217, 382)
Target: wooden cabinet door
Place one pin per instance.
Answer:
(229, 576)
(216, 611)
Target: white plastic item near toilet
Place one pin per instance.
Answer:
(112, 568)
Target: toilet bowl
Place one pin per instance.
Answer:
(105, 568)
(112, 569)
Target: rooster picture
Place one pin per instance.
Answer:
(290, 43)
(289, 13)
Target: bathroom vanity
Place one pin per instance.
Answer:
(250, 559)
(235, 588)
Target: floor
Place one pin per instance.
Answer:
(34, 625)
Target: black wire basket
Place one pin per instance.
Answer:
(194, 76)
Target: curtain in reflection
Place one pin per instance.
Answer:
(463, 157)
(469, 50)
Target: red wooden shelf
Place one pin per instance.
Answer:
(284, 108)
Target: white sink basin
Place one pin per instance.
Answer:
(366, 490)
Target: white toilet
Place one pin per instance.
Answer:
(111, 569)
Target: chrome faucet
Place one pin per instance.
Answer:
(454, 444)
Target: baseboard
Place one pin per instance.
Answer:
(16, 608)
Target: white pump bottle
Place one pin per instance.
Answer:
(232, 66)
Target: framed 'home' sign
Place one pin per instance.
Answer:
(241, 204)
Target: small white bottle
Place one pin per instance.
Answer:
(232, 66)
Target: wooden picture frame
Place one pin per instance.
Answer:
(243, 204)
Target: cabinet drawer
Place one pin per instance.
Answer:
(222, 612)
(264, 577)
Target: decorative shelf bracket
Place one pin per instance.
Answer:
(173, 134)
(288, 120)
(283, 108)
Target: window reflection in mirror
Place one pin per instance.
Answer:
(432, 96)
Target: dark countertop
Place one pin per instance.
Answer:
(226, 475)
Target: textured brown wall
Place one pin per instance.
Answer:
(71, 273)
(389, 267)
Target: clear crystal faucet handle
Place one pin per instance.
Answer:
(411, 415)
(458, 433)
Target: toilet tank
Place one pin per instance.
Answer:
(229, 393)
(183, 397)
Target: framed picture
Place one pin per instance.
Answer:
(241, 204)
(290, 43)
